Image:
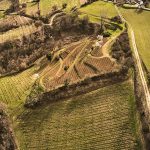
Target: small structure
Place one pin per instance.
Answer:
(36, 76)
(100, 37)
(140, 3)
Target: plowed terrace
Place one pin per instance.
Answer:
(75, 62)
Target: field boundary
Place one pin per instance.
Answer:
(78, 88)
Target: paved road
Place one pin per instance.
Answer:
(138, 62)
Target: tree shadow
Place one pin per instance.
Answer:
(138, 11)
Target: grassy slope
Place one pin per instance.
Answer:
(92, 121)
(46, 5)
(99, 8)
(141, 26)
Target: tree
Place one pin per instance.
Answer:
(49, 56)
(54, 7)
(14, 5)
(64, 5)
(148, 78)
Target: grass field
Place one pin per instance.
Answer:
(98, 9)
(46, 5)
(96, 121)
(141, 26)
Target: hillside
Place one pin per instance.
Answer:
(71, 77)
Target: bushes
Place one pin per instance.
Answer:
(88, 2)
(64, 5)
(121, 48)
(49, 56)
(106, 34)
(110, 27)
(116, 19)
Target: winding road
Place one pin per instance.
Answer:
(53, 17)
(138, 62)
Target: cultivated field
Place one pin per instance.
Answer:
(18, 33)
(141, 26)
(75, 63)
(14, 89)
(95, 120)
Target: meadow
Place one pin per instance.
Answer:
(140, 23)
(46, 5)
(98, 9)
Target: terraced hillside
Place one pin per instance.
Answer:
(74, 63)
(13, 21)
(18, 33)
(140, 23)
(92, 121)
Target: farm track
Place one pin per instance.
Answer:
(80, 65)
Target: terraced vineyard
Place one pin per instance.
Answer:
(75, 63)
(14, 89)
(18, 33)
(92, 121)
(140, 23)
(14, 21)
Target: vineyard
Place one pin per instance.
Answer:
(18, 33)
(14, 21)
(14, 89)
(74, 63)
(92, 121)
